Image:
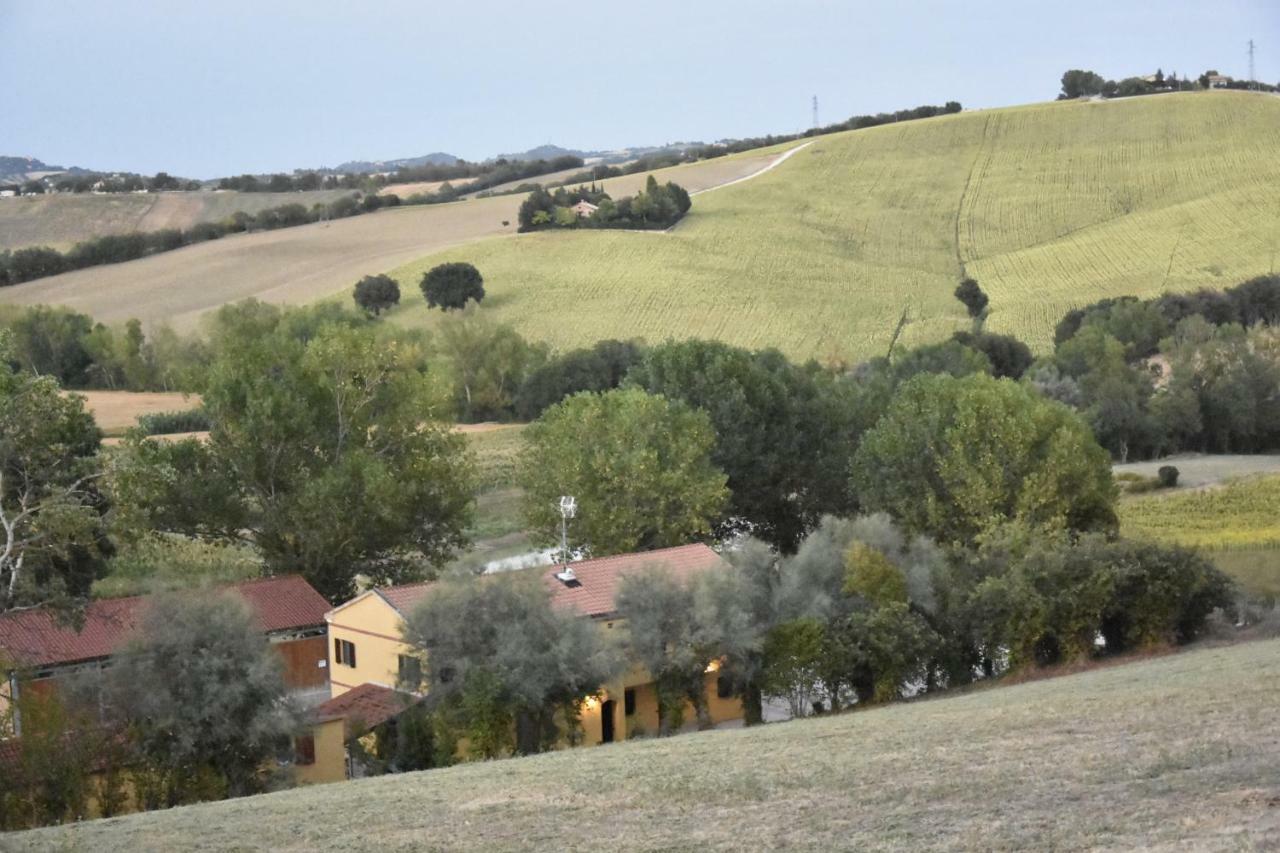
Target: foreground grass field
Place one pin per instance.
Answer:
(310, 262)
(1049, 206)
(1237, 523)
(1178, 751)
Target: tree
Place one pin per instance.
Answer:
(951, 456)
(1009, 356)
(326, 454)
(489, 363)
(452, 286)
(638, 464)
(496, 650)
(52, 538)
(784, 434)
(792, 654)
(602, 367)
(377, 293)
(663, 636)
(971, 295)
(1077, 83)
(202, 691)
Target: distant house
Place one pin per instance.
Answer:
(370, 658)
(1219, 81)
(584, 209)
(8, 192)
(39, 649)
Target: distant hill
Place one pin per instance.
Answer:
(16, 169)
(364, 167)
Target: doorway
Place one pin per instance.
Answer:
(606, 720)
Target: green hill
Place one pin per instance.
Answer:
(1049, 206)
(1178, 751)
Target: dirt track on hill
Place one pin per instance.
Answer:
(309, 262)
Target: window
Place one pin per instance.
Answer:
(629, 701)
(410, 671)
(304, 750)
(344, 652)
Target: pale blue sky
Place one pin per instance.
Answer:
(230, 86)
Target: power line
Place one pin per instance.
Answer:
(1253, 79)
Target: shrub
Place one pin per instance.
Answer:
(1168, 475)
(167, 423)
(453, 285)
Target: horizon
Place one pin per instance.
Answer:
(413, 81)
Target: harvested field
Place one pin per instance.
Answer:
(1197, 470)
(61, 220)
(1175, 752)
(116, 411)
(310, 262)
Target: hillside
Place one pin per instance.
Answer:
(309, 262)
(1049, 206)
(1176, 751)
(63, 219)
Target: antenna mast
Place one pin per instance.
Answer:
(815, 107)
(1253, 79)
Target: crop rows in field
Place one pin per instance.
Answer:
(1244, 512)
(1050, 206)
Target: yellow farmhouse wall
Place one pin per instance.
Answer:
(374, 627)
(330, 752)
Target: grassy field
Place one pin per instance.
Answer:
(1048, 205)
(61, 220)
(310, 262)
(1237, 523)
(1178, 751)
(497, 530)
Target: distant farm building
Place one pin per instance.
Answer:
(584, 209)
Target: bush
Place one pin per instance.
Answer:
(452, 286)
(1168, 475)
(167, 423)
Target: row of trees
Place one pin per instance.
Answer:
(657, 206)
(448, 286)
(864, 612)
(1078, 83)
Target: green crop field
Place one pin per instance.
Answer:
(1049, 206)
(1178, 752)
(1237, 523)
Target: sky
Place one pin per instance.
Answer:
(209, 89)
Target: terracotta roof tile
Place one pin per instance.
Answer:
(370, 704)
(598, 579)
(37, 638)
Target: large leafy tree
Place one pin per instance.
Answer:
(324, 454)
(452, 285)
(950, 457)
(52, 540)
(639, 465)
(496, 650)
(784, 434)
(202, 692)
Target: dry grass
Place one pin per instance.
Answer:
(1049, 206)
(1177, 751)
(116, 411)
(303, 264)
(61, 220)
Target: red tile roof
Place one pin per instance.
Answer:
(37, 638)
(598, 579)
(370, 704)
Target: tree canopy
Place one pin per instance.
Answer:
(952, 456)
(639, 465)
(325, 454)
(377, 293)
(452, 285)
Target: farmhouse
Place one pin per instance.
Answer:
(40, 649)
(584, 208)
(369, 657)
